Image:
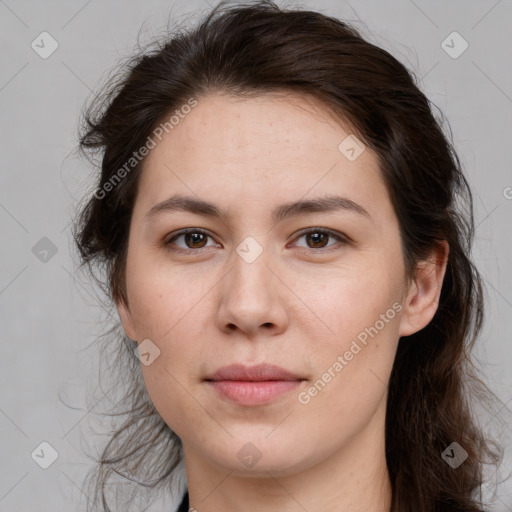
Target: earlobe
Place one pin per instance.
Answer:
(422, 300)
(122, 308)
(126, 320)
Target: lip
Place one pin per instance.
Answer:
(257, 373)
(252, 385)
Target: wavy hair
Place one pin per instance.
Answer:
(246, 50)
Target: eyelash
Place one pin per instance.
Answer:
(338, 236)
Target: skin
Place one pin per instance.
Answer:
(299, 305)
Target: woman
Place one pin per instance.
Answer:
(277, 214)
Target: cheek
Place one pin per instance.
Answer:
(352, 374)
(163, 309)
(172, 378)
(348, 301)
(352, 364)
(162, 296)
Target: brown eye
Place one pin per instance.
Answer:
(193, 239)
(317, 238)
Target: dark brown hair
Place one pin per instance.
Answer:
(248, 50)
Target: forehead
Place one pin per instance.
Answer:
(283, 124)
(258, 149)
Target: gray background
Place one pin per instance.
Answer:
(50, 313)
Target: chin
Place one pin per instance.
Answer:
(246, 457)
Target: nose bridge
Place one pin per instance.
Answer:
(251, 272)
(249, 297)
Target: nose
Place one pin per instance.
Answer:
(253, 298)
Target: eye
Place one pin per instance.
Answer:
(318, 237)
(195, 237)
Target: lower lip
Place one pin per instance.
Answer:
(253, 393)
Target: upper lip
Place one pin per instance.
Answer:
(257, 373)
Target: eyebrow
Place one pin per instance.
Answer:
(325, 204)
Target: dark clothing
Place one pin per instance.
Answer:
(184, 504)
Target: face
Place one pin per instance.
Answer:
(251, 287)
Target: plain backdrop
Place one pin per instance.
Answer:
(50, 314)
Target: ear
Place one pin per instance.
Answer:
(422, 296)
(126, 319)
(122, 308)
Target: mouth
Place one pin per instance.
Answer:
(253, 385)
